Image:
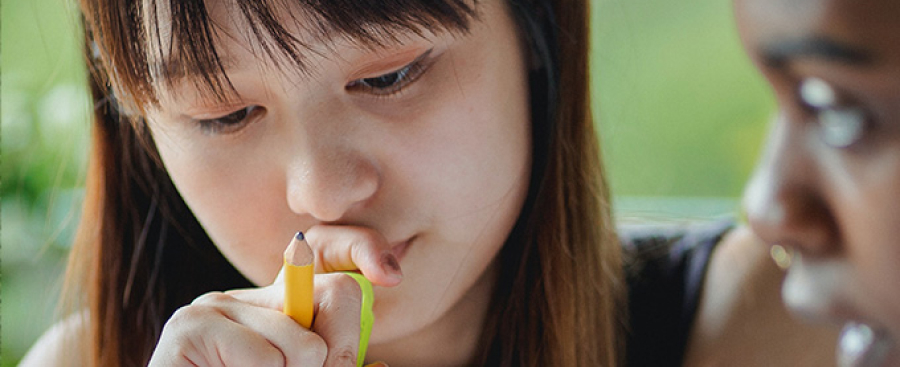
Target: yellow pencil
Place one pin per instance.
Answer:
(298, 281)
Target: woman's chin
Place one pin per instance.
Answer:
(864, 345)
(813, 292)
(816, 292)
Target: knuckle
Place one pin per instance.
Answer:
(367, 237)
(212, 298)
(313, 341)
(185, 323)
(186, 313)
(319, 352)
(319, 260)
(270, 360)
(315, 349)
(343, 285)
(344, 356)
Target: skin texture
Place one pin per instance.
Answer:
(835, 207)
(741, 319)
(429, 180)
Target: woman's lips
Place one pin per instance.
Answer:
(817, 290)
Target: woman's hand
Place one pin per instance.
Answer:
(247, 327)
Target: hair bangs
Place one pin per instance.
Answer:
(143, 45)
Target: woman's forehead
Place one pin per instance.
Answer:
(365, 22)
(185, 37)
(866, 25)
(864, 16)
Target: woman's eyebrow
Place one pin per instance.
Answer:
(175, 69)
(782, 52)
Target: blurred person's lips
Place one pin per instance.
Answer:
(816, 290)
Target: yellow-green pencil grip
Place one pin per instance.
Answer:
(366, 317)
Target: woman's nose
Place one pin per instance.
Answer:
(328, 183)
(784, 199)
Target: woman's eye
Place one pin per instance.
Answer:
(387, 80)
(839, 126)
(231, 122)
(392, 82)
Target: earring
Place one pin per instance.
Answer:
(783, 256)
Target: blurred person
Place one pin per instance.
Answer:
(825, 193)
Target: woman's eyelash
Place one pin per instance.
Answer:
(393, 82)
(231, 122)
(382, 85)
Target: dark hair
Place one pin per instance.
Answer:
(140, 253)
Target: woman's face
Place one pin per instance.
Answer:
(434, 155)
(828, 185)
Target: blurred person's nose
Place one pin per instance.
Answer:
(784, 199)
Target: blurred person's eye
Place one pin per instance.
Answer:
(840, 126)
(392, 82)
(231, 122)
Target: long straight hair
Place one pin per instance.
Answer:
(140, 254)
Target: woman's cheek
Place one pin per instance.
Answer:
(239, 205)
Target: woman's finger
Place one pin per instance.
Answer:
(197, 336)
(218, 329)
(338, 318)
(351, 248)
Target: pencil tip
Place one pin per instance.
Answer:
(298, 252)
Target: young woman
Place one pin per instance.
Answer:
(444, 149)
(828, 185)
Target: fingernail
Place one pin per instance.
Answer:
(391, 266)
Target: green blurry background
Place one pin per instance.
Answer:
(680, 110)
(43, 145)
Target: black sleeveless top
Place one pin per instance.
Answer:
(665, 267)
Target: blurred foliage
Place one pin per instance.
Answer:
(680, 111)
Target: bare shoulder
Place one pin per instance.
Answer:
(741, 320)
(61, 345)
